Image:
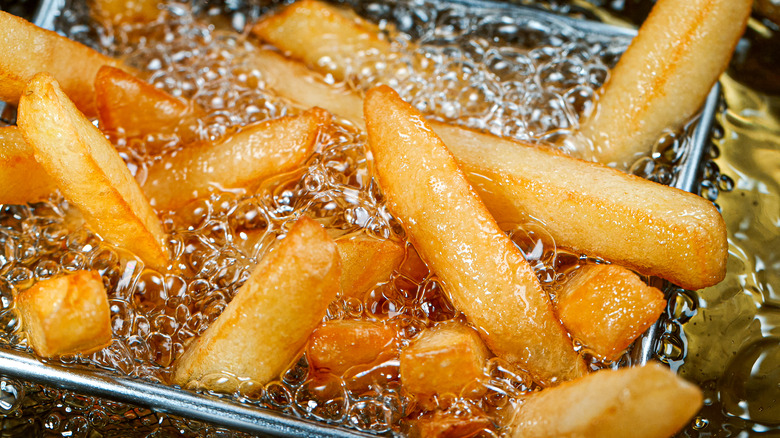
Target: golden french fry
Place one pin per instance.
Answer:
(337, 346)
(640, 402)
(88, 171)
(607, 307)
(27, 49)
(118, 12)
(139, 109)
(365, 262)
(22, 179)
(443, 360)
(331, 44)
(272, 315)
(590, 208)
(665, 75)
(240, 160)
(485, 274)
(66, 315)
(446, 425)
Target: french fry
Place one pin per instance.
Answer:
(22, 179)
(607, 307)
(486, 275)
(88, 170)
(28, 49)
(331, 45)
(337, 346)
(665, 75)
(139, 109)
(238, 161)
(66, 315)
(641, 402)
(118, 12)
(272, 315)
(445, 425)
(365, 262)
(443, 360)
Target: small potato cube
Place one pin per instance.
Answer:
(66, 315)
(444, 359)
(336, 346)
(117, 12)
(366, 262)
(446, 425)
(607, 307)
(22, 179)
(639, 402)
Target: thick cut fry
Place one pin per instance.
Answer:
(445, 425)
(443, 360)
(268, 322)
(66, 315)
(641, 402)
(238, 161)
(337, 346)
(139, 109)
(665, 75)
(366, 262)
(27, 49)
(118, 12)
(590, 208)
(331, 45)
(607, 307)
(486, 275)
(22, 179)
(88, 171)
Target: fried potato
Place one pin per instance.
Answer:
(640, 402)
(66, 315)
(240, 160)
(28, 49)
(590, 208)
(665, 75)
(323, 36)
(337, 346)
(365, 262)
(88, 171)
(272, 315)
(22, 179)
(485, 274)
(607, 307)
(139, 109)
(445, 425)
(443, 360)
(118, 12)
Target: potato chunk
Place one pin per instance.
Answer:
(27, 49)
(117, 12)
(66, 315)
(665, 75)
(240, 160)
(272, 315)
(22, 179)
(88, 171)
(365, 262)
(443, 360)
(487, 276)
(337, 346)
(607, 307)
(640, 402)
(446, 425)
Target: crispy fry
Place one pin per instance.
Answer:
(27, 49)
(443, 360)
(272, 315)
(139, 109)
(336, 346)
(665, 75)
(66, 315)
(22, 179)
(330, 45)
(607, 307)
(118, 12)
(486, 275)
(238, 161)
(88, 170)
(365, 262)
(640, 402)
